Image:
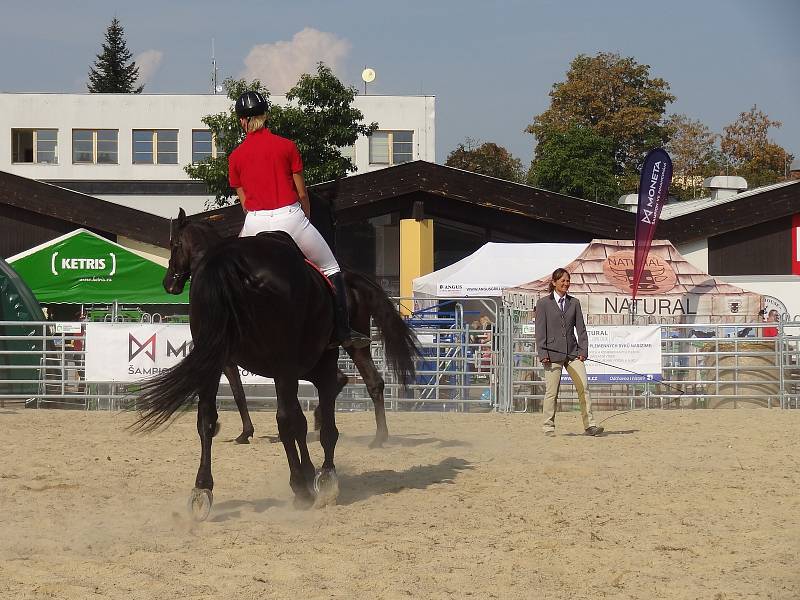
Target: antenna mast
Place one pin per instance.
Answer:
(213, 69)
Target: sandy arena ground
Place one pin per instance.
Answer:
(670, 504)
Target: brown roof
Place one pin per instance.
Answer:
(80, 210)
(430, 190)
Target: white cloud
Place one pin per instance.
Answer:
(279, 65)
(148, 62)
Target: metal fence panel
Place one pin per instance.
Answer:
(462, 367)
(703, 366)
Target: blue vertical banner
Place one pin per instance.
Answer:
(653, 190)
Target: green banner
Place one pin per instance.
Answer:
(85, 268)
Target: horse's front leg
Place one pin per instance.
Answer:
(207, 427)
(293, 429)
(362, 357)
(341, 381)
(232, 373)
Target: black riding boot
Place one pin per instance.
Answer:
(346, 336)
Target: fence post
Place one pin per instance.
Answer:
(780, 351)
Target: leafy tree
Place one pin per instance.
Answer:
(578, 162)
(487, 159)
(319, 119)
(749, 151)
(616, 98)
(227, 134)
(692, 148)
(114, 71)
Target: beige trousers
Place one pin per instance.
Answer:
(552, 381)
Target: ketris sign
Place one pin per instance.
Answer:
(86, 269)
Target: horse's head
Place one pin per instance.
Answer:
(188, 243)
(180, 260)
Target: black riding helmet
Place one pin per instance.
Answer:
(251, 104)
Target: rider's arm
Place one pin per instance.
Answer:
(240, 193)
(302, 194)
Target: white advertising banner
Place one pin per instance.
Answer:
(128, 352)
(624, 353)
(465, 290)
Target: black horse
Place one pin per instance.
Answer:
(255, 302)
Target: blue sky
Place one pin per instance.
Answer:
(490, 64)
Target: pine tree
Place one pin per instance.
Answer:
(114, 72)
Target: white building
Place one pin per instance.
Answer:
(131, 148)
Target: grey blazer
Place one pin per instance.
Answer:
(556, 337)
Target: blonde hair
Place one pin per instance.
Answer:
(255, 123)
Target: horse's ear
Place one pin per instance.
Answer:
(181, 216)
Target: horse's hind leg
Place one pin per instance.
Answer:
(328, 380)
(362, 357)
(207, 427)
(232, 373)
(293, 429)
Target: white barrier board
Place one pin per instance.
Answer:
(128, 352)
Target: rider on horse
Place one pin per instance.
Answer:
(267, 173)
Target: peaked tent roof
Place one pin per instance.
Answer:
(494, 267)
(82, 267)
(602, 276)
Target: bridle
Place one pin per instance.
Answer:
(177, 275)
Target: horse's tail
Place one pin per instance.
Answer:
(398, 338)
(218, 290)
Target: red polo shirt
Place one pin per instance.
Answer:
(263, 165)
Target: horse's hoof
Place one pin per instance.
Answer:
(200, 502)
(243, 439)
(302, 502)
(326, 488)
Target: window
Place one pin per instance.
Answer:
(34, 146)
(95, 146)
(204, 146)
(391, 147)
(155, 146)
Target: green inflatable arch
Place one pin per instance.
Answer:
(17, 303)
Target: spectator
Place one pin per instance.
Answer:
(772, 331)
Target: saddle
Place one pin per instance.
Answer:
(286, 239)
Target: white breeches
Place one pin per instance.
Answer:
(293, 221)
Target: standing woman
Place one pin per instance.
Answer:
(267, 173)
(558, 319)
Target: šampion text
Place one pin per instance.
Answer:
(146, 370)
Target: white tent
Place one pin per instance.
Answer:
(494, 267)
